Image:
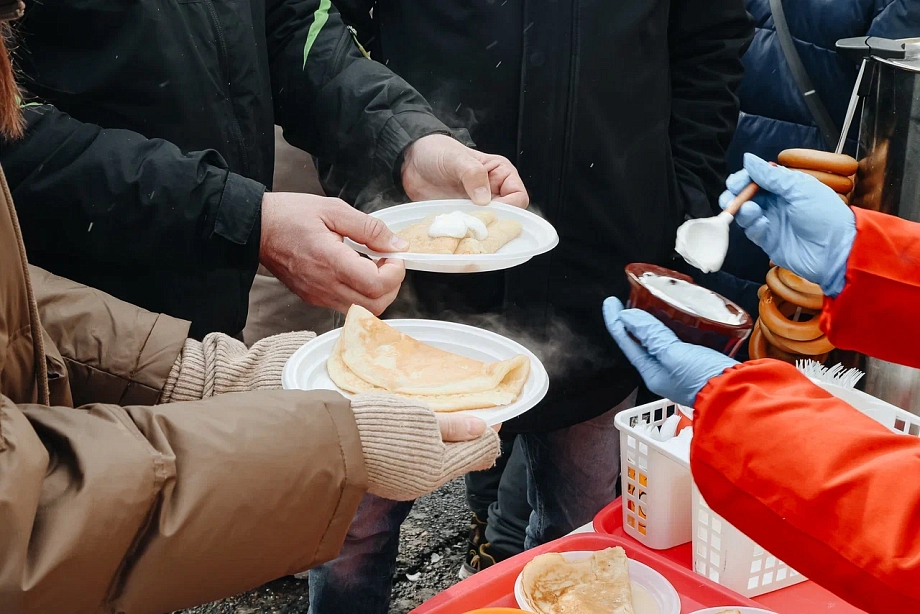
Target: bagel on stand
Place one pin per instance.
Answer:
(788, 328)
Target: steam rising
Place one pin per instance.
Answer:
(560, 349)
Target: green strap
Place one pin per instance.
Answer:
(319, 20)
(354, 35)
(23, 105)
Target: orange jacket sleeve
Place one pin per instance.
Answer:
(876, 313)
(829, 491)
(826, 489)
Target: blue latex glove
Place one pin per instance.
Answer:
(800, 222)
(670, 368)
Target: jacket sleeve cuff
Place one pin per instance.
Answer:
(240, 206)
(356, 482)
(400, 131)
(462, 135)
(874, 312)
(712, 389)
(694, 200)
(238, 223)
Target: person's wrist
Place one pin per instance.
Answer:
(720, 364)
(716, 365)
(266, 230)
(399, 168)
(717, 373)
(406, 157)
(401, 444)
(833, 285)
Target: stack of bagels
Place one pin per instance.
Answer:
(788, 328)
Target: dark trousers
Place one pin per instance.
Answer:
(552, 483)
(499, 495)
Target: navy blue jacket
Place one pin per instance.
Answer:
(773, 112)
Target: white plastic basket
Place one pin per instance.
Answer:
(662, 507)
(728, 557)
(655, 483)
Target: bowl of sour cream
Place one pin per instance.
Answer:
(695, 314)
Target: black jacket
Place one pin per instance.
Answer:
(617, 114)
(150, 186)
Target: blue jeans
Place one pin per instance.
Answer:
(498, 496)
(360, 580)
(572, 474)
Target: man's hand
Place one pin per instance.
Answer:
(438, 166)
(302, 246)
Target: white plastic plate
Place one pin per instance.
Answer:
(306, 368)
(642, 576)
(742, 609)
(537, 237)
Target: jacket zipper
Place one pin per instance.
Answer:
(570, 110)
(341, 48)
(564, 164)
(225, 61)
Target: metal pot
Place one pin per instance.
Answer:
(888, 179)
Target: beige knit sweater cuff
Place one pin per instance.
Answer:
(403, 452)
(221, 364)
(401, 440)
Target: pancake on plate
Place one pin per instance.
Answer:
(598, 584)
(501, 232)
(371, 356)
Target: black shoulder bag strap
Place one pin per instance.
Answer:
(802, 80)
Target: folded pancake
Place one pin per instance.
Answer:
(501, 232)
(506, 393)
(598, 584)
(421, 243)
(371, 356)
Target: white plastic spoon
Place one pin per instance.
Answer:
(703, 243)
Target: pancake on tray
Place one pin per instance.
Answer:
(598, 584)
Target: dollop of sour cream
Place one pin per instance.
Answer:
(458, 225)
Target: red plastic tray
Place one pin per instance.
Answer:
(804, 598)
(494, 587)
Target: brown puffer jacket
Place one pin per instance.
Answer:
(122, 506)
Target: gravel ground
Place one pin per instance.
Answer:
(430, 554)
